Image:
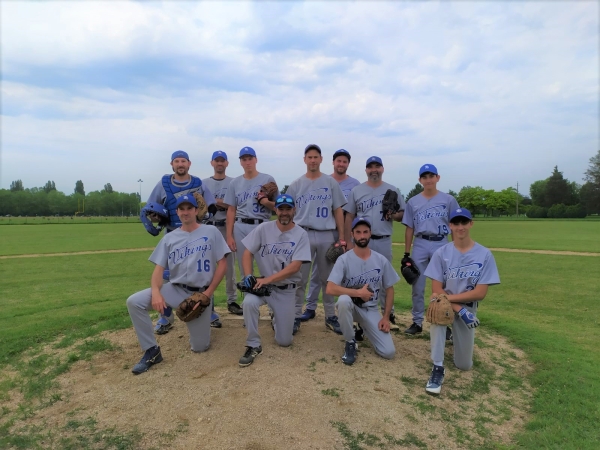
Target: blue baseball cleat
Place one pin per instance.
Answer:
(214, 320)
(165, 321)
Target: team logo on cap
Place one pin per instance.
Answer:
(459, 210)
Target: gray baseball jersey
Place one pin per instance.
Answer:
(365, 201)
(241, 193)
(219, 189)
(315, 201)
(429, 216)
(347, 185)
(191, 257)
(461, 272)
(350, 271)
(274, 249)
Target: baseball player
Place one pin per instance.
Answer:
(370, 270)
(218, 185)
(365, 200)
(244, 211)
(341, 161)
(280, 248)
(195, 257)
(463, 269)
(319, 201)
(426, 221)
(166, 192)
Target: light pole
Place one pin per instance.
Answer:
(140, 203)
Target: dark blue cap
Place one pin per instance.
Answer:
(285, 199)
(374, 159)
(341, 152)
(247, 151)
(359, 220)
(179, 154)
(187, 199)
(312, 147)
(219, 154)
(461, 212)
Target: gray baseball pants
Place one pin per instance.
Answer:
(230, 288)
(463, 338)
(282, 303)
(383, 246)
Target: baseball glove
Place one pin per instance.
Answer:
(357, 300)
(334, 251)
(247, 285)
(268, 191)
(440, 311)
(202, 207)
(410, 273)
(390, 204)
(157, 213)
(192, 307)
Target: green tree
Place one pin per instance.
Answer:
(79, 188)
(49, 186)
(559, 191)
(472, 198)
(452, 193)
(537, 191)
(590, 198)
(285, 188)
(16, 186)
(108, 188)
(414, 191)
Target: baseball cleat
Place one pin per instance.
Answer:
(165, 321)
(307, 315)
(470, 320)
(297, 324)
(234, 308)
(250, 355)
(358, 333)
(434, 385)
(151, 357)
(413, 329)
(349, 353)
(393, 325)
(333, 324)
(214, 320)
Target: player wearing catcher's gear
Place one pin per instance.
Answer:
(426, 221)
(245, 211)
(166, 192)
(280, 248)
(218, 185)
(319, 201)
(195, 256)
(363, 267)
(341, 161)
(463, 270)
(366, 200)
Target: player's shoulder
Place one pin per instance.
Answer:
(385, 185)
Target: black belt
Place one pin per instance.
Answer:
(217, 223)
(193, 289)
(287, 286)
(250, 221)
(432, 238)
(374, 236)
(470, 305)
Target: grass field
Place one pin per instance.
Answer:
(545, 306)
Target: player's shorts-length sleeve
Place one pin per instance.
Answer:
(230, 198)
(337, 272)
(409, 215)
(220, 245)
(337, 195)
(350, 206)
(160, 255)
(209, 197)
(302, 251)
(489, 274)
(158, 194)
(390, 276)
(401, 201)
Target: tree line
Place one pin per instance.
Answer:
(47, 201)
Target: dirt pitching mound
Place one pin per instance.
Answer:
(301, 397)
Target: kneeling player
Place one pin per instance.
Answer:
(371, 273)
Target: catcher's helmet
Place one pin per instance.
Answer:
(160, 211)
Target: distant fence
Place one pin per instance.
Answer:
(43, 220)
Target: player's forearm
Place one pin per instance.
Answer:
(218, 276)
(389, 301)
(156, 280)
(476, 295)
(336, 290)
(268, 204)
(339, 222)
(247, 263)
(229, 222)
(348, 228)
(286, 272)
(409, 234)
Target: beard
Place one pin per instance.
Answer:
(362, 243)
(284, 220)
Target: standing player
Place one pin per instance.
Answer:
(280, 248)
(341, 161)
(244, 211)
(426, 220)
(218, 185)
(319, 201)
(374, 274)
(463, 269)
(166, 192)
(195, 256)
(365, 200)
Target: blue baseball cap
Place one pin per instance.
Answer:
(374, 159)
(187, 199)
(461, 212)
(428, 168)
(219, 154)
(179, 154)
(341, 152)
(247, 151)
(285, 199)
(359, 220)
(310, 147)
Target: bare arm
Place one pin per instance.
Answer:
(347, 228)
(219, 274)
(476, 295)
(384, 323)
(156, 281)
(408, 238)
(247, 263)
(337, 290)
(231, 210)
(339, 223)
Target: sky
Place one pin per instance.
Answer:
(492, 93)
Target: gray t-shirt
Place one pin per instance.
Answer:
(191, 257)
(351, 271)
(460, 272)
(219, 189)
(429, 216)
(241, 193)
(365, 201)
(347, 185)
(273, 249)
(315, 201)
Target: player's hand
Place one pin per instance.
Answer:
(260, 282)
(364, 293)
(231, 243)
(158, 303)
(384, 324)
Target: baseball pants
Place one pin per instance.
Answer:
(282, 303)
(422, 251)
(230, 288)
(140, 304)
(463, 338)
(314, 287)
(368, 318)
(240, 231)
(384, 247)
(320, 241)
